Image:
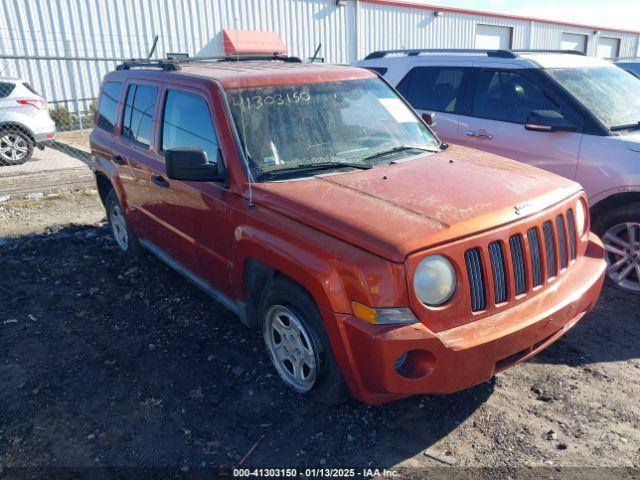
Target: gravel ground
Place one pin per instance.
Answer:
(109, 361)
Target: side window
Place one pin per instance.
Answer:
(6, 89)
(507, 96)
(187, 123)
(433, 88)
(380, 70)
(108, 106)
(137, 122)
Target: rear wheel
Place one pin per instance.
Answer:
(297, 343)
(620, 233)
(15, 147)
(122, 232)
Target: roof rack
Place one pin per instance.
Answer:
(568, 52)
(488, 53)
(173, 63)
(415, 52)
(166, 65)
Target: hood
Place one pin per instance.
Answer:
(394, 210)
(632, 141)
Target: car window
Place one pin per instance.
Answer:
(6, 89)
(108, 106)
(137, 123)
(432, 88)
(187, 123)
(30, 88)
(507, 96)
(379, 70)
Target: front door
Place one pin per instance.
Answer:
(502, 101)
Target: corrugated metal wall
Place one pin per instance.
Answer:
(117, 29)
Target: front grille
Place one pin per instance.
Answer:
(499, 274)
(517, 258)
(534, 256)
(550, 248)
(476, 279)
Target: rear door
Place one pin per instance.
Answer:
(502, 101)
(439, 89)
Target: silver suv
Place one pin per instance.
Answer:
(573, 115)
(24, 121)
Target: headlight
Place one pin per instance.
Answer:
(435, 280)
(581, 217)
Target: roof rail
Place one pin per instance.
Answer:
(569, 52)
(173, 63)
(415, 52)
(166, 65)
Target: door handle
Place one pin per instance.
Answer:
(476, 134)
(159, 181)
(119, 159)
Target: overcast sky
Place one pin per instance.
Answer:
(607, 13)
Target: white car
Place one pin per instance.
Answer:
(574, 115)
(24, 121)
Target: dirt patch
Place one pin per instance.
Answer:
(118, 362)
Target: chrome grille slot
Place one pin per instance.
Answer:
(562, 241)
(550, 249)
(572, 234)
(517, 257)
(536, 260)
(476, 279)
(499, 275)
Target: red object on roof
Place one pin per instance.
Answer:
(251, 41)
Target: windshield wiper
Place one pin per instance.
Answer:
(310, 167)
(400, 148)
(629, 126)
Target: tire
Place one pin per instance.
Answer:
(292, 328)
(123, 234)
(619, 230)
(16, 147)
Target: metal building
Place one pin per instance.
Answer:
(65, 46)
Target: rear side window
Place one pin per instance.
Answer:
(108, 106)
(6, 89)
(433, 88)
(137, 122)
(379, 70)
(187, 123)
(507, 96)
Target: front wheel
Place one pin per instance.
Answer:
(620, 233)
(297, 343)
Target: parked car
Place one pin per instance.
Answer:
(573, 115)
(631, 65)
(313, 202)
(24, 121)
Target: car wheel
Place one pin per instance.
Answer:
(15, 147)
(297, 343)
(122, 232)
(619, 230)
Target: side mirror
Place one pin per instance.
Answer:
(429, 118)
(191, 164)
(548, 121)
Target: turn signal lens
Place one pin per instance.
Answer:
(383, 316)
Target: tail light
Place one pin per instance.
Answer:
(39, 103)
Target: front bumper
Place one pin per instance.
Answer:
(464, 356)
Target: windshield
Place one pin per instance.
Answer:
(609, 93)
(320, 126)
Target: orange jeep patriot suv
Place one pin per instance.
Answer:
(314, 203)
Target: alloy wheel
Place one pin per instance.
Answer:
(13, 148)
(622, 246)
(291, 348)
(119, 226)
